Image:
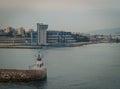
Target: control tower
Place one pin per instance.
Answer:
(41, 30)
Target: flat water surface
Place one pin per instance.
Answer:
(95, 66)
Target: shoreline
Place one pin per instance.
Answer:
(10, 46)
(20, 47)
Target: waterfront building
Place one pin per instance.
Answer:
(41, 36)
(30, 30)
(9, 30)
(53, 37)
(41, 30)
(21, 31)
(2, 33)
(60, 37)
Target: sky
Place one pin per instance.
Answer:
(62, 15)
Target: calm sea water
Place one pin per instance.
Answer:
(95, 66)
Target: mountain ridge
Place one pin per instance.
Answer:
(106, 31)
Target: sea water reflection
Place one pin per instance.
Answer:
(24, 85)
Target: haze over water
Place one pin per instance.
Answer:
(95, 66)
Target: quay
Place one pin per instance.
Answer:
(83, 43)
(20, 46)
(41, 46)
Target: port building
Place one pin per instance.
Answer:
(40, 37)
(60, 37)
(41, 30)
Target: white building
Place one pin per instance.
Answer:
(8, 29)
(21, 31)
(41, 30)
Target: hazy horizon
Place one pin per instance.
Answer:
(67, 15)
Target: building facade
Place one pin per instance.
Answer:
(60, 37)
(41, 30)
(21, 31)
(8, 29)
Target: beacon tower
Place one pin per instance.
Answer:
(41, 30)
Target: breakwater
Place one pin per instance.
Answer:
(13, 75)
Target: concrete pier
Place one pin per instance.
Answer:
(13, 75)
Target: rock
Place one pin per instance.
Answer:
(7, 75)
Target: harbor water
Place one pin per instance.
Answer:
(94, 66)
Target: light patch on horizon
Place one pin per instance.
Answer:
(72, 15)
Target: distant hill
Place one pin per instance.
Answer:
(106, 31)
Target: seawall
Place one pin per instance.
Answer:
(83, 43)
(13, 75)
(39, 47)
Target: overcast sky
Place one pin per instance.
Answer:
(68, 15)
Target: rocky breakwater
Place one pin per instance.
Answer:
(13, 75)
